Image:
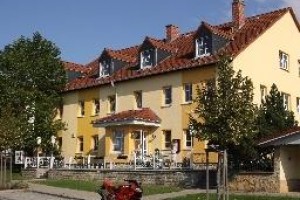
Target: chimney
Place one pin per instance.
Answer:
(238, 13)
(172, 32)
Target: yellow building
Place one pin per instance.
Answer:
(138, 99)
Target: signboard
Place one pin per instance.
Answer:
(19, 157)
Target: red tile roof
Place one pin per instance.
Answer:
(161, 44)
(280, 135)
(182, 51)
(70, 66)
(145, 115)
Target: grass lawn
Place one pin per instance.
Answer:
(233, 197)
(93, 186)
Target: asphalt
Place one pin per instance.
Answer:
(83, 195)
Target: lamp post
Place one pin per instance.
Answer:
(53, 138)
(38, 142)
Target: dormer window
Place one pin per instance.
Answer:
(202, 48)
(147, 58)
(105, 68)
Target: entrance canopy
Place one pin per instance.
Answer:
(144, 116)
(289, 137)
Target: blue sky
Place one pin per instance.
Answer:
(81, 29)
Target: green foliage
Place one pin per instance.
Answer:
(225, 114)
(12, 128)
(273, 117)
(31, 78)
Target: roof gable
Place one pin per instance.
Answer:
(182, 50)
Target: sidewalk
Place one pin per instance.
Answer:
(83, 195)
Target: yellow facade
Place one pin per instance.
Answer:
(259, 61)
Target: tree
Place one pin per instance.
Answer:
(31, 79)
(12, 128)
(273, 117)
(225, 114)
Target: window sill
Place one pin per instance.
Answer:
(284, 69)
(166, 106)
(111, 113)
(187, 103)
(80, 116)
(95, 115)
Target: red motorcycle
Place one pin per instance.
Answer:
(129, 191)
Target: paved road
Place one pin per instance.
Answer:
(27, 195)
(41, 192)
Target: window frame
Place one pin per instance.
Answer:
(167, 95)
(80, 144)
(105, 68)
(167, 139)
(110, 103)
(118, 138)
(186, 140)
(298, 105)
(286, 100)
(81, 108)
(95, 143)
(138, 97)
(96, 107)
(284, 60)
(201, 45)
(151, 60)
(263, 93)
(188, 94)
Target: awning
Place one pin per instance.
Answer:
(144, 116)
(288, 137)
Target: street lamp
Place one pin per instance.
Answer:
(53, 138)
(38, 142)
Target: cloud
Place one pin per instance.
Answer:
(295, 4)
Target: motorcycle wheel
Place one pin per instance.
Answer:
(102, 197)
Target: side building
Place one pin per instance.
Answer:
(139, 99)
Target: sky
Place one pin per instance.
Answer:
(83, 28)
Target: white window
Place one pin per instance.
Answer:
(118, 141)
(263, 93)
(283, 60)
(80, 144)
(138, 99)
(167, 95)
(147, 58)
(286, 100)
(298, 104)
(105, 68)
(95, 142)
(168, 140)
(112, 104)
(202, 46)
(188, 139)
(96, 107)
(81, 109)
(188, 92)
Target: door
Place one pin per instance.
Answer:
(141, 145)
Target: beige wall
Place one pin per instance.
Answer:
(289, 168)
(260, 61)
(70, 118)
